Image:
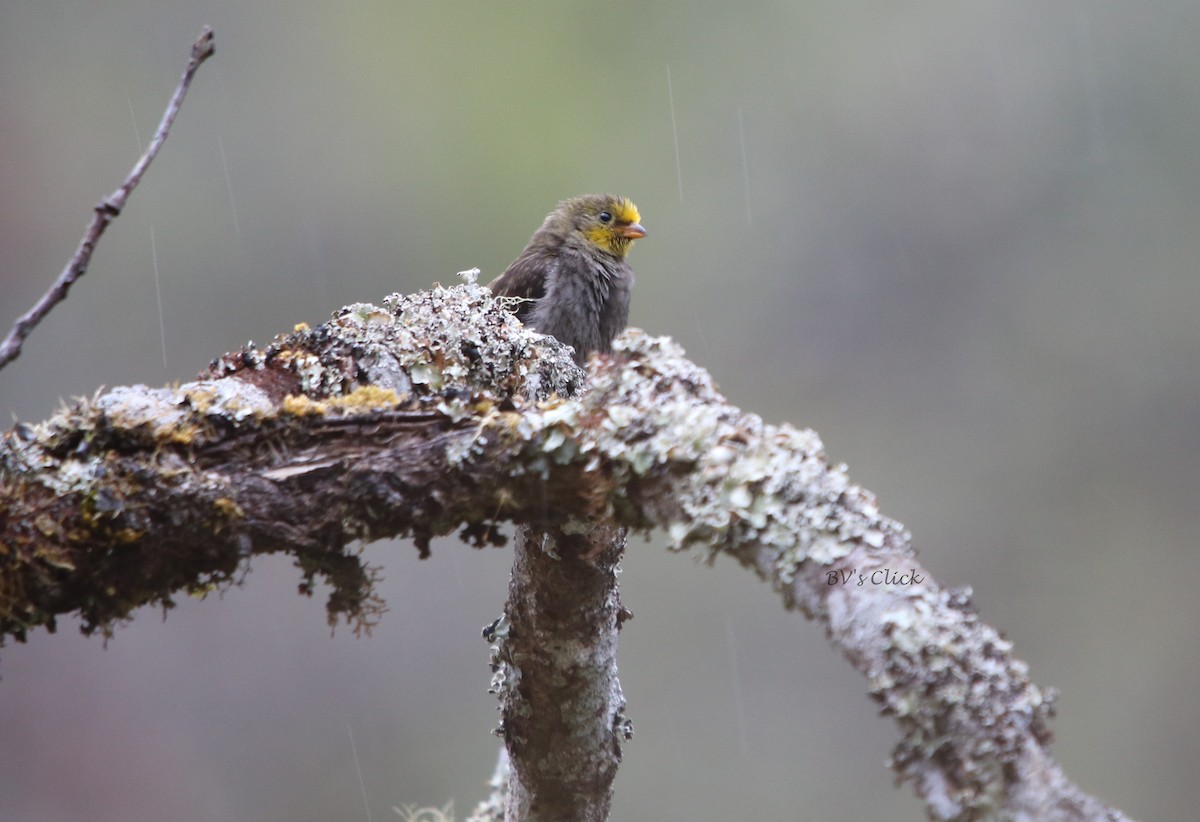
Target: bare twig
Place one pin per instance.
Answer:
(106, 210)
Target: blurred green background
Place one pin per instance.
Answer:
(957, 239)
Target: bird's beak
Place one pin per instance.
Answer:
(633, 231)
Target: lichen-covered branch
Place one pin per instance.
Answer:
(555, 662)
(491, 808)
(438, 413)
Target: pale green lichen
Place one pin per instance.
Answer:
(952, 681)
(735, 480)
(424, 373)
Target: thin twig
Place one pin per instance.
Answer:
(106, 210)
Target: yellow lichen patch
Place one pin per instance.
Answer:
(202, 590)
(127, 536)
(298, 405)
(200, 398)
(298, 327)
(228, 508)
(367, 396)
(184, 434)
(54, 557)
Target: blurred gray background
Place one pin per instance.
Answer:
(957, 239)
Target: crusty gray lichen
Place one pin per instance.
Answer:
(674, 453)
(443, 339)
(501, 422)
(968, 706)
(464, 340)
(434, 346)
(735, 480)
(449, 352)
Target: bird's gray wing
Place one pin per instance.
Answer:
(525, 278)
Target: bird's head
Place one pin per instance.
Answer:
(607, 222)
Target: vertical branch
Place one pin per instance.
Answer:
(106, 211)
(562, 707)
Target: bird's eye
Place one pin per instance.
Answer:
(605, 217)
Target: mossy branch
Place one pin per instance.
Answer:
(438, 413)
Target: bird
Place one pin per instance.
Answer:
(572, 277)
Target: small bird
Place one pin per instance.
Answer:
(573, 275)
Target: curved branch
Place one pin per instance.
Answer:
(106, 211)
(440, 412)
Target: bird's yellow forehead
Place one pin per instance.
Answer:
(625, 211)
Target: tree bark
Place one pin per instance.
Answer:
(563, 718)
